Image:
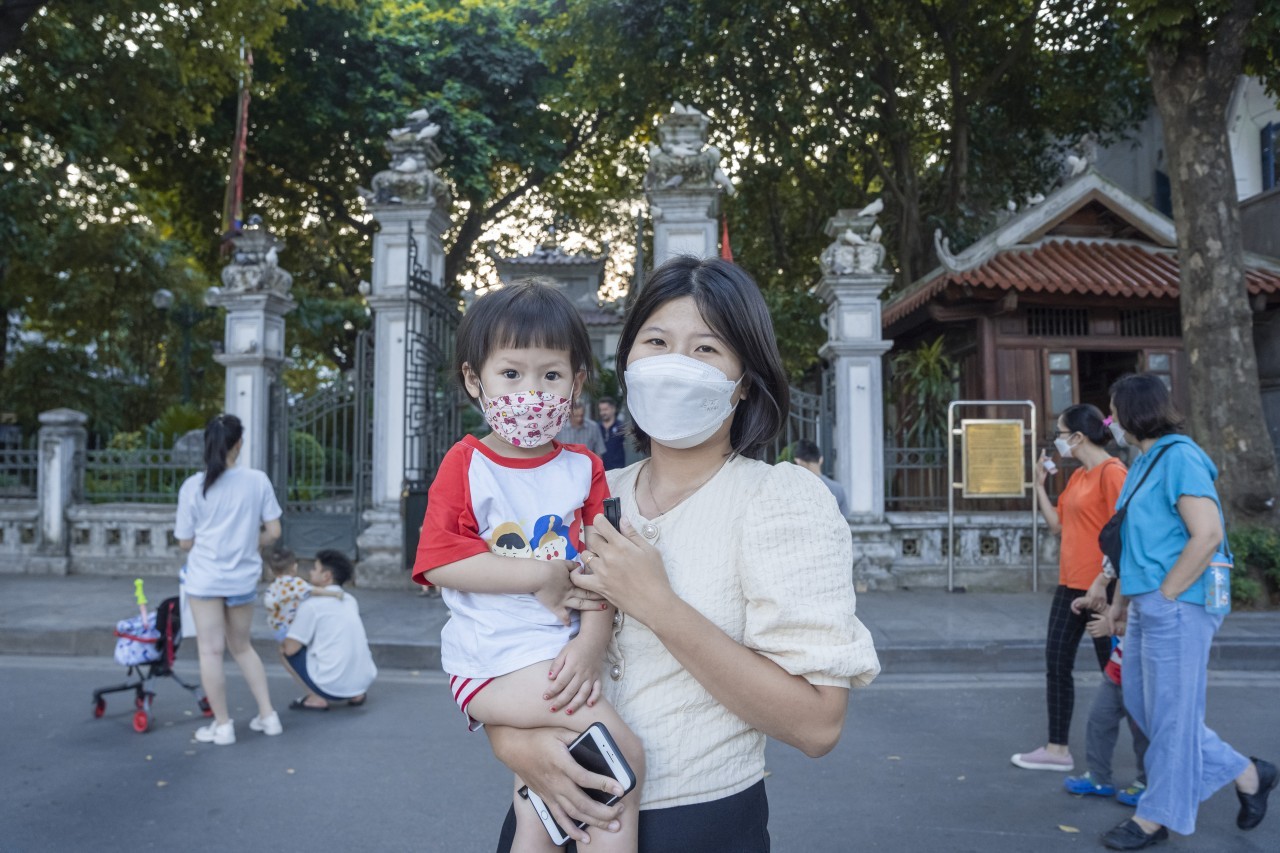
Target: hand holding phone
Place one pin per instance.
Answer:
(596, 751)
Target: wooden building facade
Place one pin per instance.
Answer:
(1060, 301)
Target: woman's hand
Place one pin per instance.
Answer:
(1042, 473)
(269, 534)
(541, 758)
(557, 592)
(625, 569)
(575, 677)
(1094, 598)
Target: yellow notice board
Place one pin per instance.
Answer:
(992, 454)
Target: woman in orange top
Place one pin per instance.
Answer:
(1084, 506)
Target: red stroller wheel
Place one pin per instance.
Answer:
(141, 721)
(99, 707)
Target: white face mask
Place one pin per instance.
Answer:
(678, 401)
(1117, 432)
(1064, 448)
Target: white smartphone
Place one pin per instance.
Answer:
(596, 751)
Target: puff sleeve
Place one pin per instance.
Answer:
(796, 555)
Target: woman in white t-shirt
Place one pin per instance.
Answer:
(225, 514)
(732, 578)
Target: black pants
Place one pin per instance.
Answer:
(1065, 630)
(736, 824)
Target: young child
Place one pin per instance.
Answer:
(286, 592)
(1104, 722)
(506, 518)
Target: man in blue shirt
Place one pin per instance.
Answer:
(615, 432)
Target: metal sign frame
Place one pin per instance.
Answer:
(1028, 431)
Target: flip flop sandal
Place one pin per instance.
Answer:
(358, 701)
(300, 704)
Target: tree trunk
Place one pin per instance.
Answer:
(1192, 88)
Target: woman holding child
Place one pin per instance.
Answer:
(731, 578)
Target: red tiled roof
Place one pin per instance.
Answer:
(1095, 267)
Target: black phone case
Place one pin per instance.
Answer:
(613, 513)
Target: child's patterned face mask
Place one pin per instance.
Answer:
(526, 418)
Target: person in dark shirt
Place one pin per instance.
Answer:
(615, 452)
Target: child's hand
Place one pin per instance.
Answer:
(1100, 626)
(557, 592)
(575, 677)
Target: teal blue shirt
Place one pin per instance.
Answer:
(1153, 532)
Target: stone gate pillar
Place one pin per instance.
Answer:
(411, 205)
(683, 185)
(62, 445)
(255, 295)
(853, 277)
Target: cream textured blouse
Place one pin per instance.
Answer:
(763, 552)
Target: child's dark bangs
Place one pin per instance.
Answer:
(528, 324)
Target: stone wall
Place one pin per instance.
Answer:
(124, 539)
(993, 552)
(19, 534)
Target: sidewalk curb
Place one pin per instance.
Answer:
(921, 659)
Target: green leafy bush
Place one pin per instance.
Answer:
(1256, 577)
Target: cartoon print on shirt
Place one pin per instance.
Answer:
(553, 539)
(508, 541)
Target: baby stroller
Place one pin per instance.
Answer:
(147, 645)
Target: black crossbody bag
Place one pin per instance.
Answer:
(1109, 538)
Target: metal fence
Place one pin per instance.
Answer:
(915, 478)
(810, 419)
(19, 470)
(140, 468)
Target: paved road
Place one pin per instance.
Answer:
(923, 766)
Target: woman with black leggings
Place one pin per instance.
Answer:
(1085, 505)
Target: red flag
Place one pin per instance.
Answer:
(232, 213)
(726, 251)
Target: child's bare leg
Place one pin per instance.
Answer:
(531, 836)
(515, 700)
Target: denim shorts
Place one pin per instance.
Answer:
(231, 600)
(298, 663)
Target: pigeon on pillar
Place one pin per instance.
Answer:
(873, 209)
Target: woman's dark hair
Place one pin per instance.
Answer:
(1143, 406)
(527, 313)
(730, 303)
(220, 435)
(1087, 420)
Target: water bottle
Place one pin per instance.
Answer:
(1217, 587)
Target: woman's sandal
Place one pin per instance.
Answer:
(357, 701)
(300, 704)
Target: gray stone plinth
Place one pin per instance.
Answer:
(381, 547)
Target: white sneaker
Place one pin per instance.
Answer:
(269, 726)
(221, 735)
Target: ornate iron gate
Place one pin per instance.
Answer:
(322, 458)
(812, 416)
(432, 406)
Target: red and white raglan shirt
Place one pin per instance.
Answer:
(482, 501)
